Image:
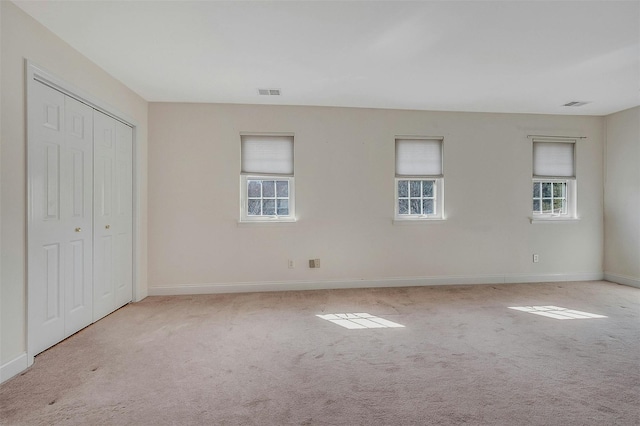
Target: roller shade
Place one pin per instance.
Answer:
(418, 157)
(267, 155)
(554, 159)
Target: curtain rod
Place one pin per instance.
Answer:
(556, 137)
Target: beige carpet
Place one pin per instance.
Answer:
(463, 357)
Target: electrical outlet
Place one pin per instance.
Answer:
(536, 258)
(314, 263)
(292, 264)
(317, 262)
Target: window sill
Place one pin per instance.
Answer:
(266, 222)
(418, 221)
(554, 220)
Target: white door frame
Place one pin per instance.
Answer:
(36, 73)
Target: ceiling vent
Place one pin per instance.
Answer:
(269, 92)
(575, 103)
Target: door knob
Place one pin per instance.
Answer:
(107, 227)
(78, 229)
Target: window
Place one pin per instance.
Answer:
(266, 180)
(419, 179)
(550, 197)
(554, 180)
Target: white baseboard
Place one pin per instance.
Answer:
(549, 278)
(13, 367)
(214, 288)
(622, 279)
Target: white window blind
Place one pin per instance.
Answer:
(553, 159)
(418, 157)
(267, 155)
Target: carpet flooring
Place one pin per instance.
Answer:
(462, 357)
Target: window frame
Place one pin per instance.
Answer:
(244, 204)
(438, 196)
(571, 183)
(570, 197)
(262, 175)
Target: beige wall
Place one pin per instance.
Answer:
(622, 197)
(22, 37)
(344, 172)
(1, 139)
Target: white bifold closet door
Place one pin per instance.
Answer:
(80, 245)
(60, 222)
(113, 214)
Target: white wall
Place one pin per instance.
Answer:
(622, 198)
(22, 37)
(344, 171)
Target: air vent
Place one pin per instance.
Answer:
(269, 92)
(575, 103)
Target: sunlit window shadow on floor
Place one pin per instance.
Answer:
(556, 312)
(359, 320)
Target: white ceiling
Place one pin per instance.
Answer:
(496, 56)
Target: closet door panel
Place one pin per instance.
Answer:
(123, 220)
(113, 214)
(103, 182)
(46, 234)
(78, 208)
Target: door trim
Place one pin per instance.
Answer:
(36, 73)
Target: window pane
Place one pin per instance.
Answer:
(558, 206)
(415, 188)
(536, 189)
(427, 188)
(253, 188)
(403, 188)
(269, 207)
(415, 206)
(550, 197)
(268, 188)
(558, 189)
(283, 207)
(267, 198)
(403, 206)
(254, 208)
(427, 206)
(282, 188)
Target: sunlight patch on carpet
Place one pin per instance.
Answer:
(556, 312)
(359, 320)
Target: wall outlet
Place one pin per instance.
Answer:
(536, 258)
(314, 263)
(291, 264)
